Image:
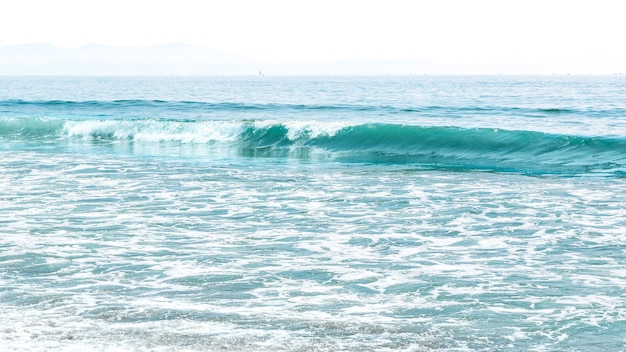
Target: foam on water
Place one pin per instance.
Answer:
(294, 257)
(154, 130)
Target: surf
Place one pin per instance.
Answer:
(434, 146)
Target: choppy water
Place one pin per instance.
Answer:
(319, 213)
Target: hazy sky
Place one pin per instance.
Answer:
(583, 34)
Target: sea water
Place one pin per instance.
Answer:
(313, 213)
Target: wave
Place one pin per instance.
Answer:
(91, 105)
(437, 147)
(162, 108)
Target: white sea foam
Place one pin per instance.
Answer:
(154, 130)
(311, 129)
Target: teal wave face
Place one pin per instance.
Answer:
(450, 147)
(490, 149)
(30, 127)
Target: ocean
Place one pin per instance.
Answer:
(386, 213)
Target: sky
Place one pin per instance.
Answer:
(584, 36)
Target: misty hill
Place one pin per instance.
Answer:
(94, 59)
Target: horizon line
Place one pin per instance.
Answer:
(183, 59)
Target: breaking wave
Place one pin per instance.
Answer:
(433, 146)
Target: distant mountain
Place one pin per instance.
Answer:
(94, 59)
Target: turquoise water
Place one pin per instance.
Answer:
(313, 213)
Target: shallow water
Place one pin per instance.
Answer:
(247, 214)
